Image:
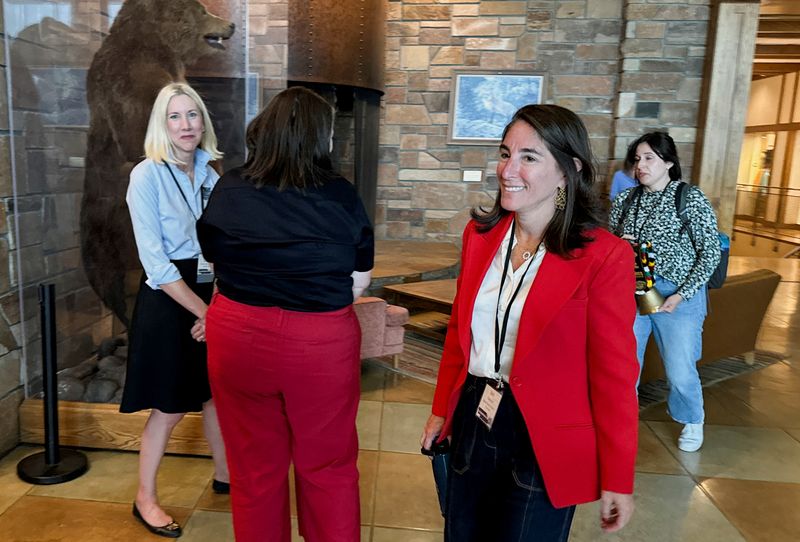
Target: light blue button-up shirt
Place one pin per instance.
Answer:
(163, 223)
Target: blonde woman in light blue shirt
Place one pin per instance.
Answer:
(166, 370)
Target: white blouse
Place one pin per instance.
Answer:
(482, 352)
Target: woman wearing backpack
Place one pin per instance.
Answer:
(687, 251)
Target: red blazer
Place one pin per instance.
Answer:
(574, 371)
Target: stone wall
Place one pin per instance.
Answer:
(623, 66)
(664, 54)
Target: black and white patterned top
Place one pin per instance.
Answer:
(655, 218)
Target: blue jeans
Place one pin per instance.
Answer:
(679, 337)
(495, 491)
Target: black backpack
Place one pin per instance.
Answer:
(721, 272)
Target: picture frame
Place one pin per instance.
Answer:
(483, 102)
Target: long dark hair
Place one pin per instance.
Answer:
(288, 143)
(566, 139)
(664, 147)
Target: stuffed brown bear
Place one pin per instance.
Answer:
(149, 45)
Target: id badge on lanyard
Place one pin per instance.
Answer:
(490, 402)
(205, 273)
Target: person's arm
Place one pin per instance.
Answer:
(361, 280)
(451, 364)
(703, 224)
(365, 249)
(613, 371)
(142, 199)
(143, 205)
(180, 292)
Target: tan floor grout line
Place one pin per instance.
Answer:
(797, 438)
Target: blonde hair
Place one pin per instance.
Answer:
(157, 145)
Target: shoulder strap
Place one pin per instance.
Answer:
(680, 207)
(626, 207)
(680, 199)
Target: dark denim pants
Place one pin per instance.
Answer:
(496, 492)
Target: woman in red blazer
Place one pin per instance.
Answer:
(537, 384)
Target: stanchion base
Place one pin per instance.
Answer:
(35, 470)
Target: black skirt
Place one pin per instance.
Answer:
(166, 366)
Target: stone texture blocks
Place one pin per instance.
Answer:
(600, 59)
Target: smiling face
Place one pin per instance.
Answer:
(651, 170)
(528, 173)
(184, 126)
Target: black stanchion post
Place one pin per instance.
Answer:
(47, 324)
(55, 465)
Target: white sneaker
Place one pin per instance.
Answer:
(691, 437)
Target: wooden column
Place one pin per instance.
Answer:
(727, 89)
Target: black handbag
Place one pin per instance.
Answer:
(439, 455)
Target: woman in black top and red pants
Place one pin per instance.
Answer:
(292, 247)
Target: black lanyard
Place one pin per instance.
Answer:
(182, 194)
(500, 332)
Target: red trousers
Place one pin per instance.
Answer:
(286, 386)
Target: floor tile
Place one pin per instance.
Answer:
(405, 496)
(795, 433)
(383, 534)
(751, 453)
(369, 424)
(367, 482)
(774, 408)
(47, 519)
(372, 379)
(11, 487)
(213, 502)
(763, 511)
(656, 412)
(207, 526)
(404, 389)
(365, 532)
(113, 476)
(402, 426)
(653, 456)
(725, 408)
(777, 377)
(668, 509)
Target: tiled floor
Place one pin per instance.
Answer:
(743, 485)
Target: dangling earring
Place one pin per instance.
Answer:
(561, 198)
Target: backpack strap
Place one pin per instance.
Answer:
(681, 194)
(626, 208)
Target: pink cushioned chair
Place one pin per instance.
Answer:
(382, 328)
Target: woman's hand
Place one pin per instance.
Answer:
(433, 427)
(671, 303)
(199, 330)
(616, 510)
